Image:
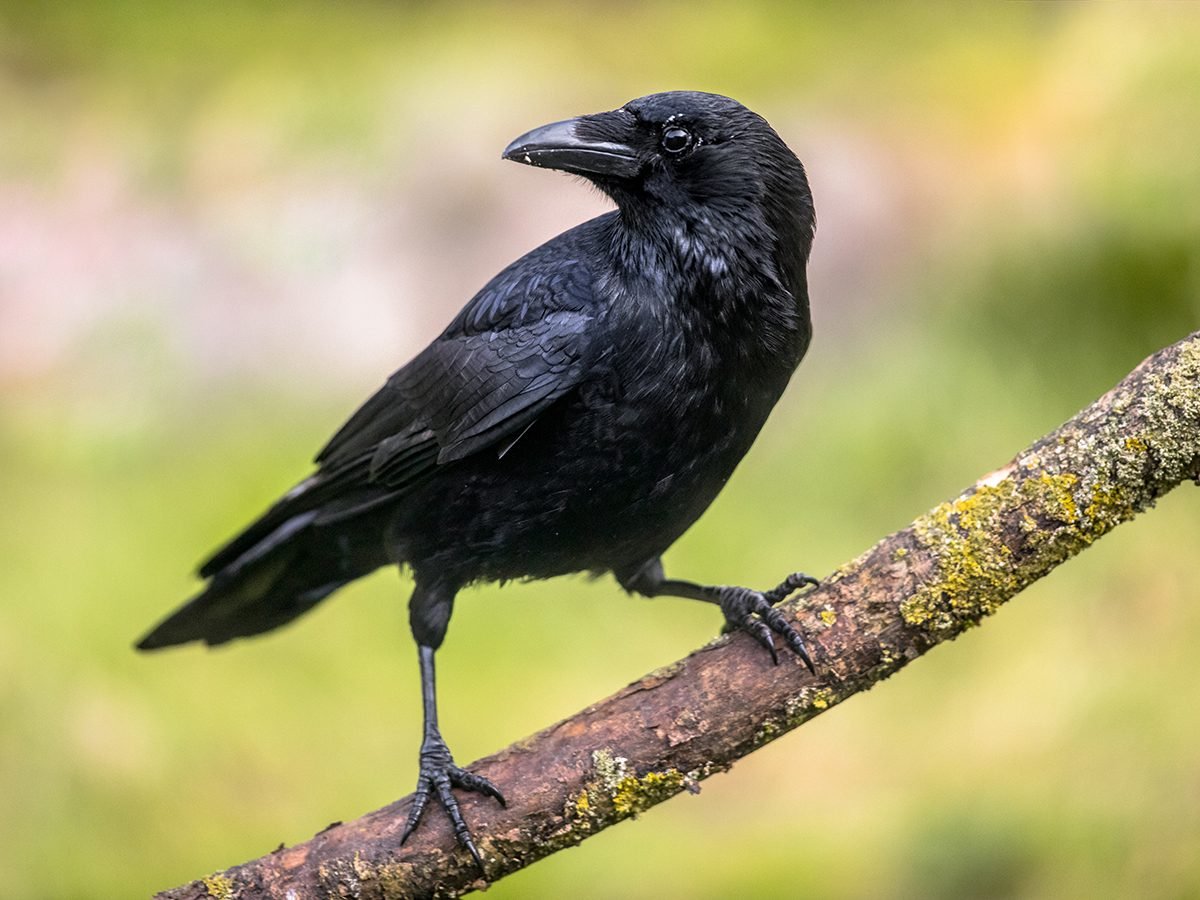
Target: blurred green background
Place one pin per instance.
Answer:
(222, 225)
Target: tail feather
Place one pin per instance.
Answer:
(275, 579)
(344, 487)
(248, 603)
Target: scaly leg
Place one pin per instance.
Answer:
(745, 609)
(429, 615)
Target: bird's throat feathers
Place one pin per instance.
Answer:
(763, 230)
(742, 259)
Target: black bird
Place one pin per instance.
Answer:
(579, 413)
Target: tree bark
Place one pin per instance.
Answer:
(676, 726)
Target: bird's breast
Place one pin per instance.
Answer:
(676, 410)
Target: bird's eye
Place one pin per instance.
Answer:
(676, 140)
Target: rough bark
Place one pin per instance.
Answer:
(668, 731)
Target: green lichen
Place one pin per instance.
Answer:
(637, 793)
(1106, 508)
(800, 708)
(827, 616)
(822, 698)
(1056, 494)
(1098, 471)
(1136, 444)
(219, 886)
(767, 732)
(395, 879)
(979, 566)
(610, 769)
(361, 876)
(974, 569)
(614, 792)
(582, 805)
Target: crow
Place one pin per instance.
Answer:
(579, 413)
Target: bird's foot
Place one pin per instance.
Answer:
(438, 775)
(754, 612)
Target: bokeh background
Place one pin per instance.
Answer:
(222, 225)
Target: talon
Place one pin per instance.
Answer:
(802, 652)
(438, 773)
(418, 809)
(465, 840)
(755, 613)
(471, 782)
(788, 586)
(761, 633)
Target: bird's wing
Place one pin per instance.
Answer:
(523, 342)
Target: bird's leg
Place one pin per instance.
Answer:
(745, 609)
(438, 771)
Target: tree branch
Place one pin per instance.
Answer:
(665, 733)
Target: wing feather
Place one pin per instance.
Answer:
(522, 343)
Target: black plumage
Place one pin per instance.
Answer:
(578, 414)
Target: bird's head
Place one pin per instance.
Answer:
(685, 156)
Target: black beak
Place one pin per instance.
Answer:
(560, 146)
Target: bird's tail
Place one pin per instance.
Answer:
(279, 573)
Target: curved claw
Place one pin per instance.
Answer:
(461, 832)
(789, 586)
(439, 775)
(755, 613)
(420, 799)
(469, 781)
